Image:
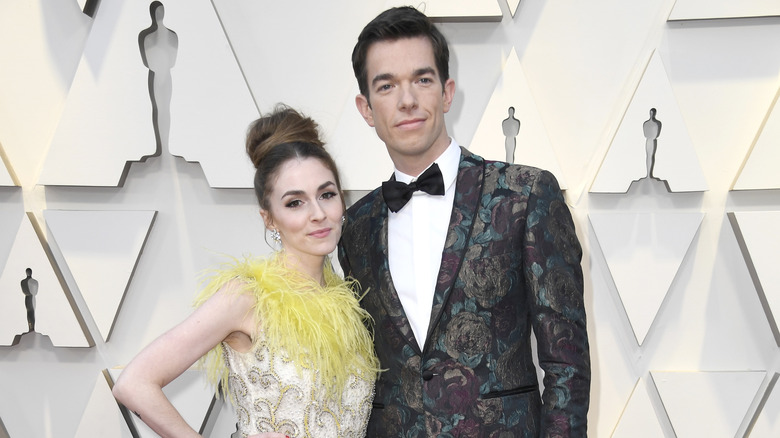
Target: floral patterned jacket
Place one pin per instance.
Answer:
(511, 263)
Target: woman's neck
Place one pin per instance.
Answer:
(312, 267)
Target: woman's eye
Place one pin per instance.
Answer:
(329, 195)
(293, 204)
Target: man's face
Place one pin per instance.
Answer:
(407, 102)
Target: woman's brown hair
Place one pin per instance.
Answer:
(280, 136)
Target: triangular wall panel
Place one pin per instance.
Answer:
(461, 10)
(10, 218)
(675, 157)
(89, 147)
(5, 173)
(644, 252)
(532, 145)
(3, 430)
(207, 71)
(54, 314)
(709, 9)
(42, 42)
(102, 417)
(222, 420)
(513, 4)
(190, 395)
(301, 72)
(638, 417)
(760, 168)
(707, 404)
(768, 419)
(617, 371)
(759, 240)
(101, 249)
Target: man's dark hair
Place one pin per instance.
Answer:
(395, 24)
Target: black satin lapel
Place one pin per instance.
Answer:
(382, 277)
(468, 191)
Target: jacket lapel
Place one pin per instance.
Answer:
(468, 191)
(379, 261)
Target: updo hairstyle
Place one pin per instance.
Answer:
(282, 135)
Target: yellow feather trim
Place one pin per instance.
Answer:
(323, 328)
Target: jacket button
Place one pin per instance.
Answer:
(427, 375)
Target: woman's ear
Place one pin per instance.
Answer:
(267, 220)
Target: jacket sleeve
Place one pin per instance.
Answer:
(553, 275)
(343, 259)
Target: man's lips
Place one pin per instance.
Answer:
(411, 123)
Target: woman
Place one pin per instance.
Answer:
(285, 336)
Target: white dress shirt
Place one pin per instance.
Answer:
(416, 236)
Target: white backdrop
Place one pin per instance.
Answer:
(708, 345)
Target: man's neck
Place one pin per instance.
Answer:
(415, 165)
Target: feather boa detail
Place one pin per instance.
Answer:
(323, 328)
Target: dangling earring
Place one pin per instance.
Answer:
(343, 220)
(276, 237)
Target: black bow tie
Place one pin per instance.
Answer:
(397, 194)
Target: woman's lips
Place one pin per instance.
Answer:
(320, 233)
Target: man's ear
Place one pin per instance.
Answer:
(364, 107)
(449, 93)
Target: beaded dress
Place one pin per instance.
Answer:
(311, 369)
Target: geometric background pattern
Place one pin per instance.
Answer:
(638, 418)
(760, 168)
(759, 242)
(768, 422)
(531, 144)
(644, 252)
(200, 130)
(674, 159)
(102, 416)
(709, 9)
(87, 147)
(686, 398)
(55, 315)
(101, 249)
(582, 62)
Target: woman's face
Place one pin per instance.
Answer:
(305, 206)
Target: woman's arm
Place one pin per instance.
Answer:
(139, 387)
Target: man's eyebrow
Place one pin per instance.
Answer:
(424, 71)
(417, 73)
(381, 77)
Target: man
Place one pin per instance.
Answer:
(457, 279)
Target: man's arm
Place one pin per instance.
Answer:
(552, 255)
(343, 259)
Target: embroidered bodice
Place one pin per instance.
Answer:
(272, 394)
(311, 369)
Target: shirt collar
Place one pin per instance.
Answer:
(448, 163)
